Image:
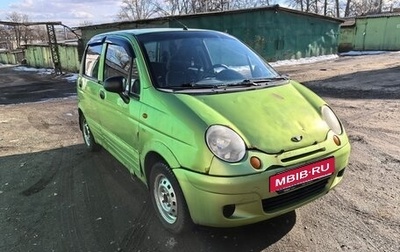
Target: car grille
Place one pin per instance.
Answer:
(287, 199)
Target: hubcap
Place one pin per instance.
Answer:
(165, 198)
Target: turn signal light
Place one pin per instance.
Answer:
(255, 162)
(336, 139)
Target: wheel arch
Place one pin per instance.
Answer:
(158, 153)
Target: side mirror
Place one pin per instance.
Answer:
(114, 84)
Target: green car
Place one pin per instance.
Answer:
(215, 133)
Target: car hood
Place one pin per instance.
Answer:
(273, 119)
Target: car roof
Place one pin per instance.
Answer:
(140, 31)
(153, 30)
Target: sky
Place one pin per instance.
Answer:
(69, 12)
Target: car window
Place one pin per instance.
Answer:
(92, 59)
(158, 54)
(196, 59)
(228, 54)
(134, 86)
(117, 63)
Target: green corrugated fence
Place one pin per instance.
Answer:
(39, 56)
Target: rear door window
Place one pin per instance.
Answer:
(92, 60)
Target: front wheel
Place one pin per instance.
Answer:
(168, 200)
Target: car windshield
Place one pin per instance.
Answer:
(202, 59)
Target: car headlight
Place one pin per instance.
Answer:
(225, 143)
(331, 119)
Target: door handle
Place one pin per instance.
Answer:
(102, 95)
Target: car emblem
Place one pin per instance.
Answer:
(296, 139)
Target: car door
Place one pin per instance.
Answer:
(89, 86)
(119, 113)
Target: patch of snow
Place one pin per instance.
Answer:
(71, 77)
(303, 60)
(32, 69)
(358, 53)
(323, 58)
(5, 65)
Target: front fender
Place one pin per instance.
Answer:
(162, 150)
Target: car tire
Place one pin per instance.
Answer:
(88, 138)
(168, 200)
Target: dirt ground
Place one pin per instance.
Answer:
(56, 196)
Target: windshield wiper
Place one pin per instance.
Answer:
(191, 85)
(262, 80)
(243, 83)
(252, 82)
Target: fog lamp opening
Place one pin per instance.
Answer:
(340, 173)
(228, 210)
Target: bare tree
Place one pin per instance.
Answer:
(4, 37)
(345, 8)
(337, 8)
(21, 32)
(179, 7)
(176, 7)
(365, 7)
(245, 4)
(137, 9)
(86, 23)
(215, 5)
(143, 9)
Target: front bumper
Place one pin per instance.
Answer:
(235, 201)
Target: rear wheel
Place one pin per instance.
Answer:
(88, 136)
(168, 199)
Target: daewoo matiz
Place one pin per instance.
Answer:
(216, 134)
